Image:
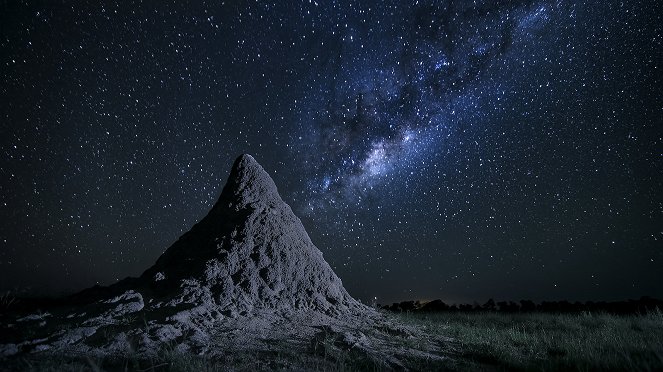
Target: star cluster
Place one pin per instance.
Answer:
(433, 149)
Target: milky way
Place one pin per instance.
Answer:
(396, 87)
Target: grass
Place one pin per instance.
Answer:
(7, 299)
(538, 341)
(472, 341)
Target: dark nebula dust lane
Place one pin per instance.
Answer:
(433, 149)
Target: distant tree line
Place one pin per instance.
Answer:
(641, 306)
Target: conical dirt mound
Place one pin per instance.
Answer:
(250, 252)
(245, 280)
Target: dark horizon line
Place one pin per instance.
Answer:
(644, 304)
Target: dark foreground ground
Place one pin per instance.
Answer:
(471, 341)
(539, 341)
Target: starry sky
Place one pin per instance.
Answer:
(433, 149)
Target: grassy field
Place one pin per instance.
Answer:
(470, 341)
(548, 341)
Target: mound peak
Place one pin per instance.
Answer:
(248, 184)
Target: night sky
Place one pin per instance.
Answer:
(433, 149)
